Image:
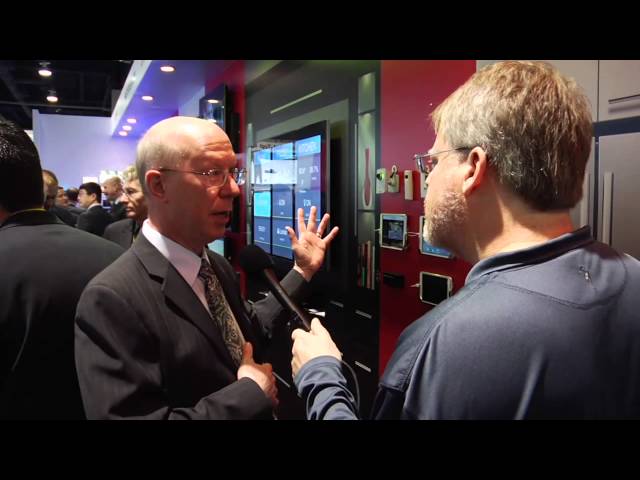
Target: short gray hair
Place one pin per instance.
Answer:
(130, 174)
(534, 123)
(152, 152)
(117, 181)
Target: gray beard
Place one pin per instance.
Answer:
(442, 225)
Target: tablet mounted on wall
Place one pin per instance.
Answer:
(434, 288)
(393, 230)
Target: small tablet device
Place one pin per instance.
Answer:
(393, 230)
(434, 288)
(428, 249)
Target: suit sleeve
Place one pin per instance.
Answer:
(110, 234)
(267, 310)
(83, 223)
(120, 369)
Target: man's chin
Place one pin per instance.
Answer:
(434, 240)
(216, 234)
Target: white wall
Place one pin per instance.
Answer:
(74, 147)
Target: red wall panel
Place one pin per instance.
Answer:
(410, 91)
(234, 77)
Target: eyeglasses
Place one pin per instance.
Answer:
(426, 163)
(215, 177)
(130, 192)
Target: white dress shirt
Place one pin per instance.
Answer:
(184, 260)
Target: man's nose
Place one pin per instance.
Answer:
(231, 187)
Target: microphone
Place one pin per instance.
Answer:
(253, 260)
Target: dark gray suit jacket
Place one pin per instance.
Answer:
(44, 266)
(94, 220)
(118, 211)
(147, 348)
(65, 215)
(121, 232)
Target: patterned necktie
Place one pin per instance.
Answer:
(221, 312)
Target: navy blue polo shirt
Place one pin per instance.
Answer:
(551, 331)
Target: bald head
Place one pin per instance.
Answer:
(171, 142)
(176, 162)
(112, 188)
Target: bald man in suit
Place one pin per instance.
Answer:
(164, 332)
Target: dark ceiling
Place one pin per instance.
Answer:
(83, 87)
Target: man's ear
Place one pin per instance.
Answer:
(477, 170)
(155, 185)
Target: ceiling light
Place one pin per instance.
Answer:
(44, 70)
(213, 100)
(131, 120)
(147, 98)
(168, 68)
(127, 128)
(52, 97)
(122, 133)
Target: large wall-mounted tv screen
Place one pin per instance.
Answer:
(262, 219)
(293, 169)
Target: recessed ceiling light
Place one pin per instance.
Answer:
(147, 98)
(52, 98)
(131, 120)
(213, 100)
(127, 127)
(44, 70)
(168, 68)
(122, 133)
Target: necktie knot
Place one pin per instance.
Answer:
(206, 272)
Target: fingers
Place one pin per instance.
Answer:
(311, 226)
(318, 329)
(316, 326)
(301, 226)
(247, 352)
(271, 390)
(323, 224)
(332, 234)
(296, 333)
(292, 236)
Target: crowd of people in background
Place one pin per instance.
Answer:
(93, 207)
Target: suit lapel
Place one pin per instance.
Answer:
(181, 295)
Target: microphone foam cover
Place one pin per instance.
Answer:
(253, 259)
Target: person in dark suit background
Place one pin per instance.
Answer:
(124, 232)
(61, 197)
(95, 219)
(38, 378)
(62, 201)
(72, 196)
(163, 333)
(50, 186)
(112, 189)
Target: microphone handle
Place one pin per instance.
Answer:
(284, 298)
